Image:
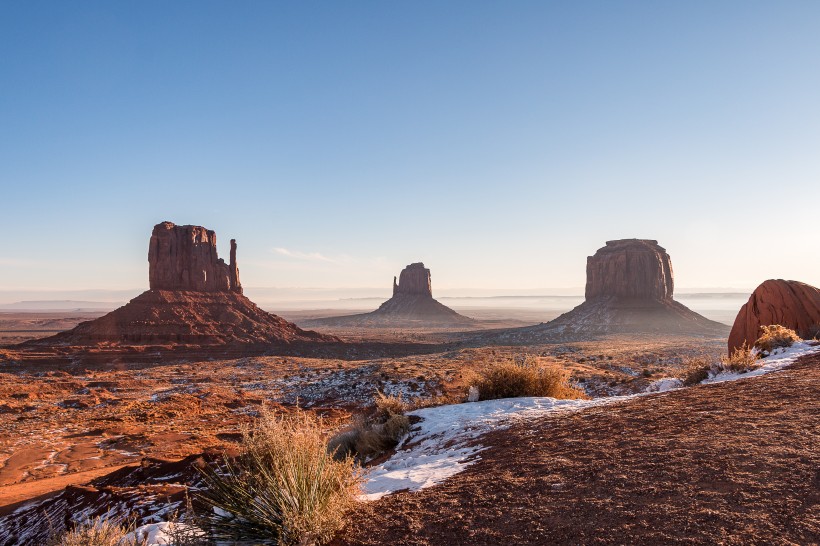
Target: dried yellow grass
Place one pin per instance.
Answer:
(97, 532)
(775, 336)
(285, 486)
(510, 379)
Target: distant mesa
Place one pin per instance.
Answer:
(629, 289)
(195, 299)
(412, 305)
(792, 304)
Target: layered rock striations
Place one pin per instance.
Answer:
(195, 299)
(792, 304)
(412, 305)
(630, 269)
(185, 258)
(414, 280)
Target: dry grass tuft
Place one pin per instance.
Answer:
(695, 370)
(741, 360)
(370, 436)
(774, 337)
(285, 486)
(510, 379)
(97, 532)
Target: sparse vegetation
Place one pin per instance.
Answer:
(530, 377)
(285, 485)
(741, 360)
(775, 336)
(370, 436)
(699, 368)
(97, 532)
(695, 370)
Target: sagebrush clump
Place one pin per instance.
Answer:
(97, 532)
(742, 360)
(695, 370)
(775, 336)
(371, 435)
(510, 379)
(285, 486)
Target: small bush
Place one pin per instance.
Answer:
(529, 378)
(774, 337)
(97, 532)
(284, 486)
(696, 370)
(370, 436)
(741, 360)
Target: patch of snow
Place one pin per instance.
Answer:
(160, 534)
(664, 384)
(777, 360)
(444, 442)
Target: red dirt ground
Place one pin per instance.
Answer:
(732, 463)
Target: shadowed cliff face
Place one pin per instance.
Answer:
(414, 280)
(630, 269)
(792, 304)
(185, 258)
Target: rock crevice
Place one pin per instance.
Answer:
(185, 258)
(792, 304)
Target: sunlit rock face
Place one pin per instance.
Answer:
(630, 269)
(185, 258)
(792, 304)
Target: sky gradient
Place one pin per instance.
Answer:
(499, 142)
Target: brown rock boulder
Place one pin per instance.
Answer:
(185, 258)
(792, 304)
(630, 269)
(414, 280)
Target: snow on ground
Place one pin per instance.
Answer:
(442, 445)
(778, 359)
(161, 534)
(444, 442)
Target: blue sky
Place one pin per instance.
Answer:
(499, 142)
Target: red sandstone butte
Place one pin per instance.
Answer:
(792, 304)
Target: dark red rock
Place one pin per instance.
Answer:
(185, 258)
(630, 269)
(195, 300)
(792, 304)
(414, 280)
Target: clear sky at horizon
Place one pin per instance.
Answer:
(499, 142)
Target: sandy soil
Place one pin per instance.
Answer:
(54, 423)
(16, 327)
(730, 463)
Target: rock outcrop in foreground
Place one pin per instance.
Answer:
(412, 305)
(792, 304)
(195, 300)
(629, 290)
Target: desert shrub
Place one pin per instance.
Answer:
(370, 436)
(97, 532)
(695, 370)
(510, 379)
(741, 360)
(774, 337)
(284, 486)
